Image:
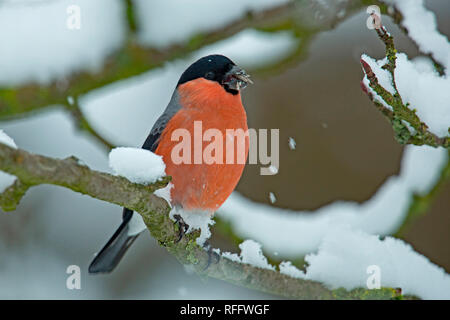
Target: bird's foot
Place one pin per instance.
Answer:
(211, 255)
(183, 227)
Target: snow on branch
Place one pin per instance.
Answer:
(424, 117)
(421, 26)
(345, 258)
(32, 170)
(292, 234)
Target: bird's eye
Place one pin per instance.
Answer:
(210, 75)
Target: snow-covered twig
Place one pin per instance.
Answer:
(408, 127)
(32, 170)
(420, 25)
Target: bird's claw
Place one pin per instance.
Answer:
(183, 227)
(211, 254)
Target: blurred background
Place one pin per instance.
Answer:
(307, 83)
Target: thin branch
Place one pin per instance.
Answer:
(397, 17)
(400, 112)
(420, 204)
(131, 16)
(83, 124)
(34, 170)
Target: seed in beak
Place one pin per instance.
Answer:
(243, 76)
(236, 79)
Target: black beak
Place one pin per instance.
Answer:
(237, 79)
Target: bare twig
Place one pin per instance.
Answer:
(82, 123)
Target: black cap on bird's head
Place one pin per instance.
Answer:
(220, 69)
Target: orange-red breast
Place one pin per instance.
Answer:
(208, 93)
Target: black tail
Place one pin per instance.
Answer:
(111, 254)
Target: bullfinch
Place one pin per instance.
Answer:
(208, 93)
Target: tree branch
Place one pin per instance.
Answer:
(397, 17)
(83, 124)
(134, 59)
(131, 17)
(131, 60)
(32, 170)
(400, 112)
